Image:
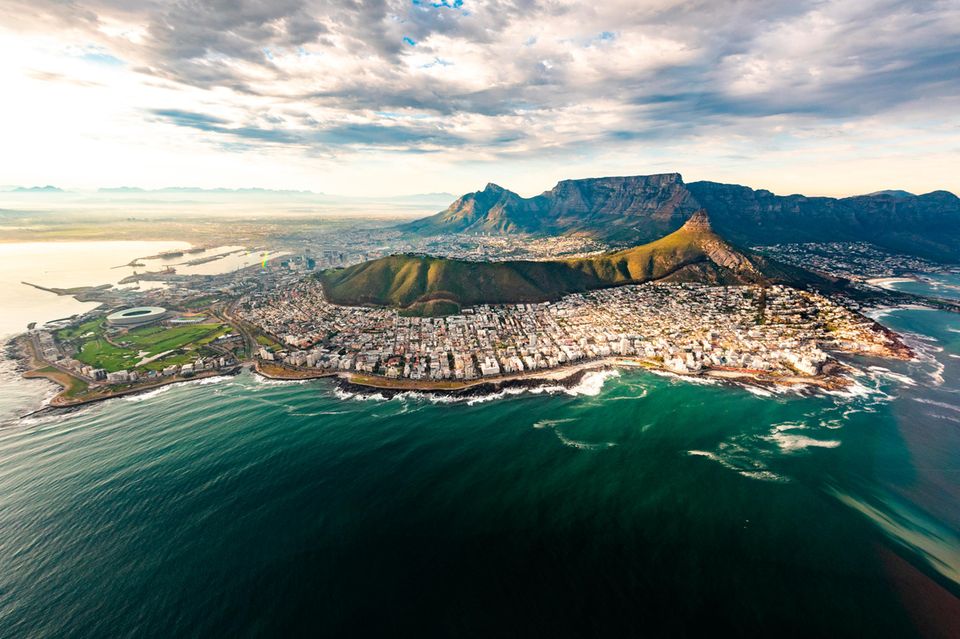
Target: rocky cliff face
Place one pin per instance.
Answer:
(637, 209)
(718, 251)
(926, 225)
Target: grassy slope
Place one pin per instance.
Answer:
(154, 340)
(431, 285)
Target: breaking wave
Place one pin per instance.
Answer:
(139, 397)
(574, 443)
(550, 423)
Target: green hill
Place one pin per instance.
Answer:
(424, 285)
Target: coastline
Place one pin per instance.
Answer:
(831, 378)
(886, 283)
(19, 350)
(56, 403)
(565, 376)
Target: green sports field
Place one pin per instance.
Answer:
(127, 349)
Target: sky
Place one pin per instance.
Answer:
(380, 97)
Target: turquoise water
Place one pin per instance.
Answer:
(945, 285)
(635, 504)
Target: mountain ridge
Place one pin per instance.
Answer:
(636, 209)
(425, 285)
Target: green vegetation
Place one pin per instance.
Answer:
(163, 362)
(223, 330)
(73, 386)
(157, 339)
(422, 285)
(91, 326)
(201, 302)
(123, 351)
(263, 340)
(100, 353)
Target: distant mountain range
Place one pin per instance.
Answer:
(192, 189)
(423, 285)
(37, 189)
(636, 209)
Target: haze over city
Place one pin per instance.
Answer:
(400, 97)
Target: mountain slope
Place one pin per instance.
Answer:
(430, 285)
(637, 209)
(927, 225)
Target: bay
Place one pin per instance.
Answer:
(635, 504)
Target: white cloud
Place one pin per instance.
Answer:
(328, 96)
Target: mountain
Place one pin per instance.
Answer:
(635, 209)
(38, 189)
(892, 193)
(423, 285)
(632, 210)
(926, 225)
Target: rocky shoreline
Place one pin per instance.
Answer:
(832, 377)
(482, 389)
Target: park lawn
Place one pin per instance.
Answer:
(201, 302)
(66, 334)
(179, 358)
(223, 330)
(175, 358)
(101, 354)
(153, 340)
(157, 339)
(263, 340)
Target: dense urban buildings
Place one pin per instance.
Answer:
(682, 327)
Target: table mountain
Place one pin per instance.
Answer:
(637, 209)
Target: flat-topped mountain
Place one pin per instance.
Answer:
(642, 208)
(637, 209)
(424, 285)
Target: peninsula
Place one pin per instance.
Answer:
(458, 312)
(689, 303)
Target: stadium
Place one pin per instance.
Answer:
(137, 316)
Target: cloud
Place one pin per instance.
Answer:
(516, 78)
(398, 137)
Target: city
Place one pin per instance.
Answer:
(683, 328)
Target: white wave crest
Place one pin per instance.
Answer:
(758, 471)
(550, 423)
(693, 379)
(889, 374)
(573, 443)
(139, 397)
(473, 401)
(933, 402)
(789, 443)
(592, 383)
(267, 381)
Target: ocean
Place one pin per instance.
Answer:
(634, 504)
